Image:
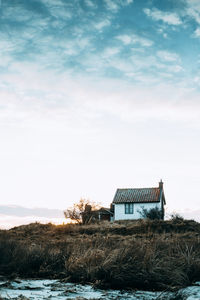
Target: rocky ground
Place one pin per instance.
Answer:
(55, 289)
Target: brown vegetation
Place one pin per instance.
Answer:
(153, 255)
(80, 212)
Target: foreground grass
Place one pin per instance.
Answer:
(151, 255)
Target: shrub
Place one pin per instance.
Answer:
(152, 214)
(177, 218)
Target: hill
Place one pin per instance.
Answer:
(144, 254)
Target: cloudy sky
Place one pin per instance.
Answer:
(96, 95)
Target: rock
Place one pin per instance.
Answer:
(17, 280)
(6, 284)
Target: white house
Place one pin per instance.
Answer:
(128, 203)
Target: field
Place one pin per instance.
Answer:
(144, 254)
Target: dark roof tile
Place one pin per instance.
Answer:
(137, 195)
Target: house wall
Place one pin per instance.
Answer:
(137, 207)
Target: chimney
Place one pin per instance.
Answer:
(161, 184)
(111, 207)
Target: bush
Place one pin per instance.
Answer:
(152, 214)
(177, 218)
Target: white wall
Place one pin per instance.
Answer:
(137, 207)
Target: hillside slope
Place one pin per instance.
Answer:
(151, 255)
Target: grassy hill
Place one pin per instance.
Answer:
(144, 254)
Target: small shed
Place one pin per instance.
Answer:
(101, 214)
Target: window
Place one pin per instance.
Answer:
(128, 208)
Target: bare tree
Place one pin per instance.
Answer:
(80, 211)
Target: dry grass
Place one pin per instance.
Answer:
(153, 255)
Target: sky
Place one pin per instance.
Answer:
(96, 95)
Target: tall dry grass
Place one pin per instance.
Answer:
(152, 255)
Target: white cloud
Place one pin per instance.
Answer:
(5, 60)
(158, 15)
(149, 63)
(100, 25)
(43, 87)
(123, 65)
(162, 31)
(110, 52)
(168, 56)
(57, 9)
(175, 68)
(83, 42)
(193, 9)
(196, 34)
(6, 45)
(126, 2)
(90, 3)
(20, 13)
(142, 41)
(151, 69)
(126, 39)
(134, 39)
(112, 5)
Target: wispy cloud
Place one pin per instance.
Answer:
(142, 41)
(110, 52)
(114, 6)
(166, 17)
(135, 39)
(168, 56)
(101, 24)
(90, 3)
(125, 38)
(196, 33)
(70, 99)
(57, 10)
(193, 9)
(126, 2)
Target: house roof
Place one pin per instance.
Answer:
(104, 211)
(101, 210)
(138, 195)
